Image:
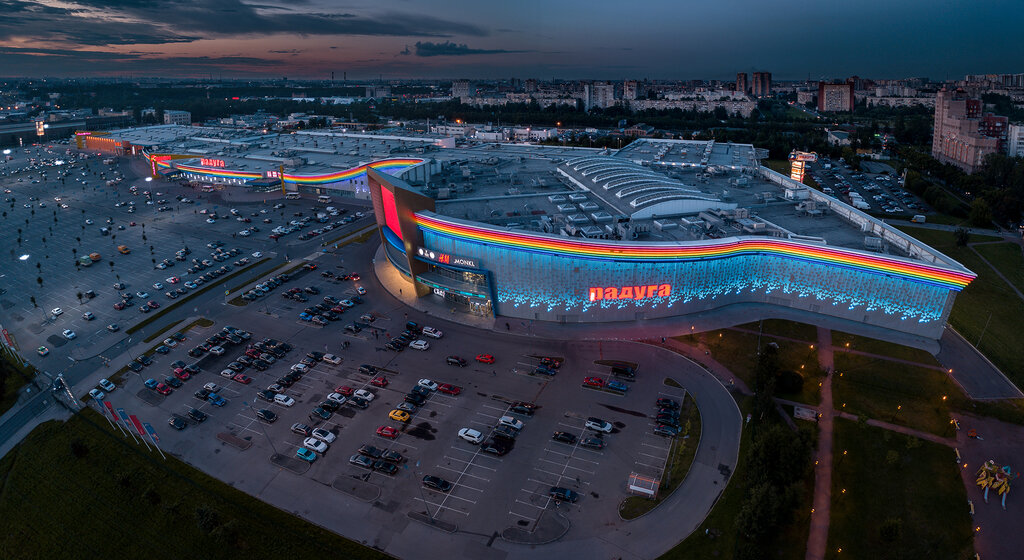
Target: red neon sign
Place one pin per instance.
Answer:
(211, 162)
(631, 292)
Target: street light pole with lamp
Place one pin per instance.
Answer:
(262, 426)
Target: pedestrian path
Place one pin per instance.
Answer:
(817, 541)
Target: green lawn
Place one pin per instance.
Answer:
(76, 490)
(681, 457)
(737, 351)
(14, 378)
(842, 340)
(783, 328)
(987, 296)
(903, 498)
(1007, 259)
(906, 395)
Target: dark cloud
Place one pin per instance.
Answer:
(448, 48)
(287, 51)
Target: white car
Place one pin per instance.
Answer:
(217, 350)
(315, 444)
(511, 423)
(191, 285)
(324, 435)
(301, 368)
(432, 332)
(106, 385)
(346, 303)
(361, 290)
(332, 359)
(337, 397)
(227, 373)
(245, 233)
(599, 425)
(212, 387)
(364, 394)
(284, 400)
(89, 222)
(471, 435)
(69, 334)
(57, 311)
(158, 286)
(211, 221)
(257, 255)
(142, 295)
(419, 345)
(96, 394)
(427, 384)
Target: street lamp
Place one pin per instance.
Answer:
(262, 426)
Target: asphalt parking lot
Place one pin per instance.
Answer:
(45, 240)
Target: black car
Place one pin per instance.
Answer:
(318, 356)
(235, 366)
(285, 347)
(266, 395)
(667, 403)
(358, 402)
(544, 370)
(413, 326)
(422, 391)
(192, 369)
(496, 446)
(144, 360)
(393, 456)
(367, 368)
(592, 443)
(330, 406)
(260, 365)
(312, 290)
(177, 422)
(564, 437)
(665, 430)
(201, 394)
(178, 336)
(455, 360)
(244, 360)
(504, 432)
(370, 451)
(523, 407)
(172, 381)
(320, 413)
(266, 415)
(135, 366)
(385, 467)
(197, 415)
(177, 364)
(415, 398)
(624, 371)
(301, 429)
(437, 483)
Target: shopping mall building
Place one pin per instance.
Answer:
(657, 229)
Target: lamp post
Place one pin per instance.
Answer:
(262, 426)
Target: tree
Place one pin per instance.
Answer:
(39, 280)
(33, 300)
(981, 213)
(79, 296)
(962, 236)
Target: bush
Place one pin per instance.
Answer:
(790, 381)
(207, 518)
(79, 449)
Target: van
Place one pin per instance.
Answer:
(323, 199)
(292, 196)
(918, 219)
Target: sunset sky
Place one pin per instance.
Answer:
(531, 38)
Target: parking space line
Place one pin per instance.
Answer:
(572, 457)
(470, 463)
(566, 465)
(521, 515)
(440, 506)
(531, 505)
(458, 471)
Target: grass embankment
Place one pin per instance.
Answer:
(843, 341)
(987, 309)
(13, 376)
(680, 457)
(170, 307)
(903, 498)
(1007, 259)
(737, 351)
(77, 490)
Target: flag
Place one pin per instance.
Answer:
(138, 425)
(110, 409)
(124, 416)
(152, 432)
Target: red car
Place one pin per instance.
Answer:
(253, 353)
(338, 309)
(174, 279)
(485, 359)
(119, 305)
(242, 378)
(152, 304)
(379, 381)
(449, 389)
(131, 223)
(181, 374)
(163, 389)
(344, 390)
(387, 431)
(355, 277)
(593, 382)
(551, 363)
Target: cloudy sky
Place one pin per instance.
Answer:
(569, 39)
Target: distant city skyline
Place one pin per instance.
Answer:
(306, 39)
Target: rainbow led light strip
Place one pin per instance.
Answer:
(833, 256)
(349, 174)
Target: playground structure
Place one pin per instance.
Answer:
(993, 477)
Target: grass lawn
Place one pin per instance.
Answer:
(680, 459)
(76, 490)
(783, 328)
(840, 340)
(874, 388)
(737, 351)
(1007, 259)
(987, 296)
(904, 498)
(14, 378)
(720, 544)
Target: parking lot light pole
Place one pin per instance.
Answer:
(426, 504)
(264, 428)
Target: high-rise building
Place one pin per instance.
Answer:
(177, 117)
(963, 135)
(1015, 140)
(631, 90)
(741, 82)
(460, 89)
(598, 95)
(531, 85)
(833, 98)
(762, 84)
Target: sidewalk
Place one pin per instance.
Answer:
(817, 541)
